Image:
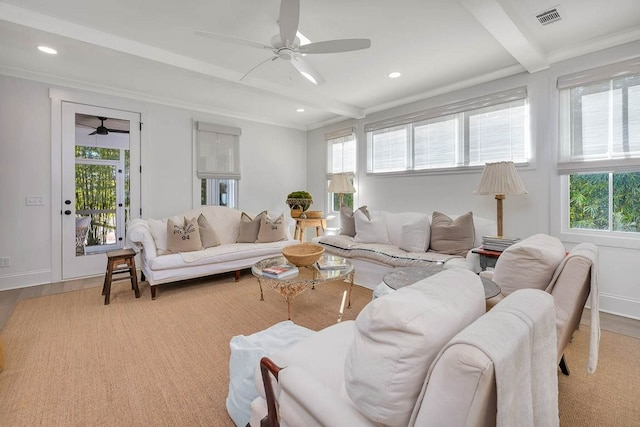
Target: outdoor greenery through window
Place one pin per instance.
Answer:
(102, 185)
(600, 148)
(468, 133)
(341, 147)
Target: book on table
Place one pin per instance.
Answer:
(280, 271)
(332, 264)
(498, 244)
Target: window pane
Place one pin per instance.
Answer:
(601, 124)
(343, 154)
(498, 133)
(589, 201)
(97, 153)
(634, 118)
(626, 201)
(435, 143)
(389, 149)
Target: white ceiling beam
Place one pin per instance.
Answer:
(496, 20)
(81, 33)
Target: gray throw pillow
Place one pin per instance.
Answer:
(183, 237)
(208, 235)
(452, 237)
(272, 230)
(249, 228)
(347, 220)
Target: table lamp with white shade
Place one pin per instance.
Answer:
(341, 184)
(500, 179)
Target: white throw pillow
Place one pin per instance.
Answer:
(530, 263)
(398, 336)
(397, 221)
(372, 230)
(415, 236)
(158, 229)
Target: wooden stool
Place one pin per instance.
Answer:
(120, 261)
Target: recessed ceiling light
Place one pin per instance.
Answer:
(394, 75)
(300, 110)
(48, 50)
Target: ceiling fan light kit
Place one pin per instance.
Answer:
(286, 44)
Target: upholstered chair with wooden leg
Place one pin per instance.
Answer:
(542, 262)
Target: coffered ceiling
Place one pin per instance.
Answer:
(148, 49)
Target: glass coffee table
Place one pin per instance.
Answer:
(307, 277)
(406, 276)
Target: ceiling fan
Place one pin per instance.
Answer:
(286, 44)
(102, 130)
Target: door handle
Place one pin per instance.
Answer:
(67, 212)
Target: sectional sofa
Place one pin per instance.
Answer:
(378, 241)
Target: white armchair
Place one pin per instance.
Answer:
(405, 362)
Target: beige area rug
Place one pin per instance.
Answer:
(71, 361)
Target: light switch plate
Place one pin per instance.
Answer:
(34, 200)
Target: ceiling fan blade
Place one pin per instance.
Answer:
(233, 40)
(117, 131)
(94, 132)
(273, 58)
(307, 70)
(335, 46)
(288, 21)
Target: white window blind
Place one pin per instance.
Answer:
(218, 151)
(600, 119)
(472, 132)
(342, 151)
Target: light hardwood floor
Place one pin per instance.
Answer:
(8, 300)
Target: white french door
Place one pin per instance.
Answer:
(100, 184)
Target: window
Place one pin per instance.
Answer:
(599, 149)
(468, 133)
(341, 146)
(218, 163)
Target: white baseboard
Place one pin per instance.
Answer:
(24, 280)
(626, 307)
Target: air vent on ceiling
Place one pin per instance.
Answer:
(549, 16)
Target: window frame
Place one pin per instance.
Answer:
(568, 164)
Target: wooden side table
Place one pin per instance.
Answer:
(488, 258)
(301, 223)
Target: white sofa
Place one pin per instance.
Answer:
(149, 236)
(402, 240)
(393, 367)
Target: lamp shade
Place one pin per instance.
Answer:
(341, 183)
(500, 178)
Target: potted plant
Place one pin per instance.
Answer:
(299, 201)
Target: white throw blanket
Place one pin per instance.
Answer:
(589, 251)
(519, 336)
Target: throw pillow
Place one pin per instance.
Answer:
(208, 235)
(249, 228)
(158, 228)
(370, 230)
(272, 230)
(414, 236)
(530, 263)
(452, 237)
(382, 377)
(183, 237)
(347, 220)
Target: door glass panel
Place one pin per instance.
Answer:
(96, 198)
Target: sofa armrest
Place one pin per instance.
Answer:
(140, 239)
(303, 398)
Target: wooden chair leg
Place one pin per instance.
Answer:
(267, 368)
(563, 366)
(134, 278)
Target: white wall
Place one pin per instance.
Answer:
(272, 164)
(536, 212)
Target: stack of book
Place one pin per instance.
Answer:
(280, 271)
(497, 244)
